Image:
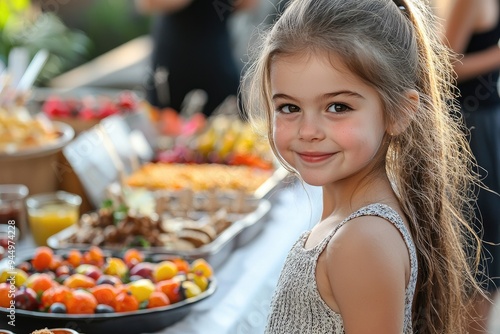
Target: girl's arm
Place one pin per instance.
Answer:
(460, 24)
(368, 265)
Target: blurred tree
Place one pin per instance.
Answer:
(112, 23)
(10, 8)
(34, 30)
(108, 23)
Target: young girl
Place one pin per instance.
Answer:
(355, 95)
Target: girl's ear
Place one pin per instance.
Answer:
(411, 103)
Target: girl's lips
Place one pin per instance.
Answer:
(314, 157)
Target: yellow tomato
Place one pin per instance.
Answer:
(201, 266)
(17, 276)
(141, 289)
(165, 270)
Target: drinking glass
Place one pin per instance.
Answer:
(50, 213)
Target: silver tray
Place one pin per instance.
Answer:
(215, 252)
(272, 184)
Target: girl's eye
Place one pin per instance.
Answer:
(338, 108)
(288, 108)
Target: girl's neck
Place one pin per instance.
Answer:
(341, 199)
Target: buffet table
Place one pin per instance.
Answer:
(247, 279)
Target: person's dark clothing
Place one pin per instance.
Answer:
(480, 103)
(194, 46)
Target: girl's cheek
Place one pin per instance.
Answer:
(282, 127)
(343, 136)
(281, 139)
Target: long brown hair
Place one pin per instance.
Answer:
(394, 46)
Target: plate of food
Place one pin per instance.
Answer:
(31, 138)
(97, 292)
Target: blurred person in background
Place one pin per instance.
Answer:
(472, 29)
(192, 50)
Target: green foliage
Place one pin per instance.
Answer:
(98, 27)
(67, 48)
(113, 23)
(12, 8)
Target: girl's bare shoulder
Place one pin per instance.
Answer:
(366, 234)
(367, 264)
(367, 246)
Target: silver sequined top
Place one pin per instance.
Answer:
(297, 307)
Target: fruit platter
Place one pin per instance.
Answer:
(221, 139)
(95, 291)
(82, 109)
(89, 107)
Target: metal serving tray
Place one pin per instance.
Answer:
(272, 184)
(215, 252)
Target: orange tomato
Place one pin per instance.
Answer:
(5, 295)
(182, 265)
(81, 302)
(74, 257)
(132, 256)
(122, 288)
(94, 256)
(171, 288)
(79, 281)
(104, 293)
(40, 282)
(55, 294)
(125, 302)
(158, 299)
(56, 262)
(42, 258)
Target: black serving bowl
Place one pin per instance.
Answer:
(136, 322)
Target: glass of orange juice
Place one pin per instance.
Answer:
(50, 213)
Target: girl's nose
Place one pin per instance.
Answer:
(310, 128)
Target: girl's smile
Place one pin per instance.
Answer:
(314, 157)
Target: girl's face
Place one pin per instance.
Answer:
(328, 123)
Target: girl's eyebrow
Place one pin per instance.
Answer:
(278, 96)
(344, 92)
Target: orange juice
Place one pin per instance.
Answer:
(50, 219)
(50, 213)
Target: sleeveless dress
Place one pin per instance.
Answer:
(297, 307)
(480, 103)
